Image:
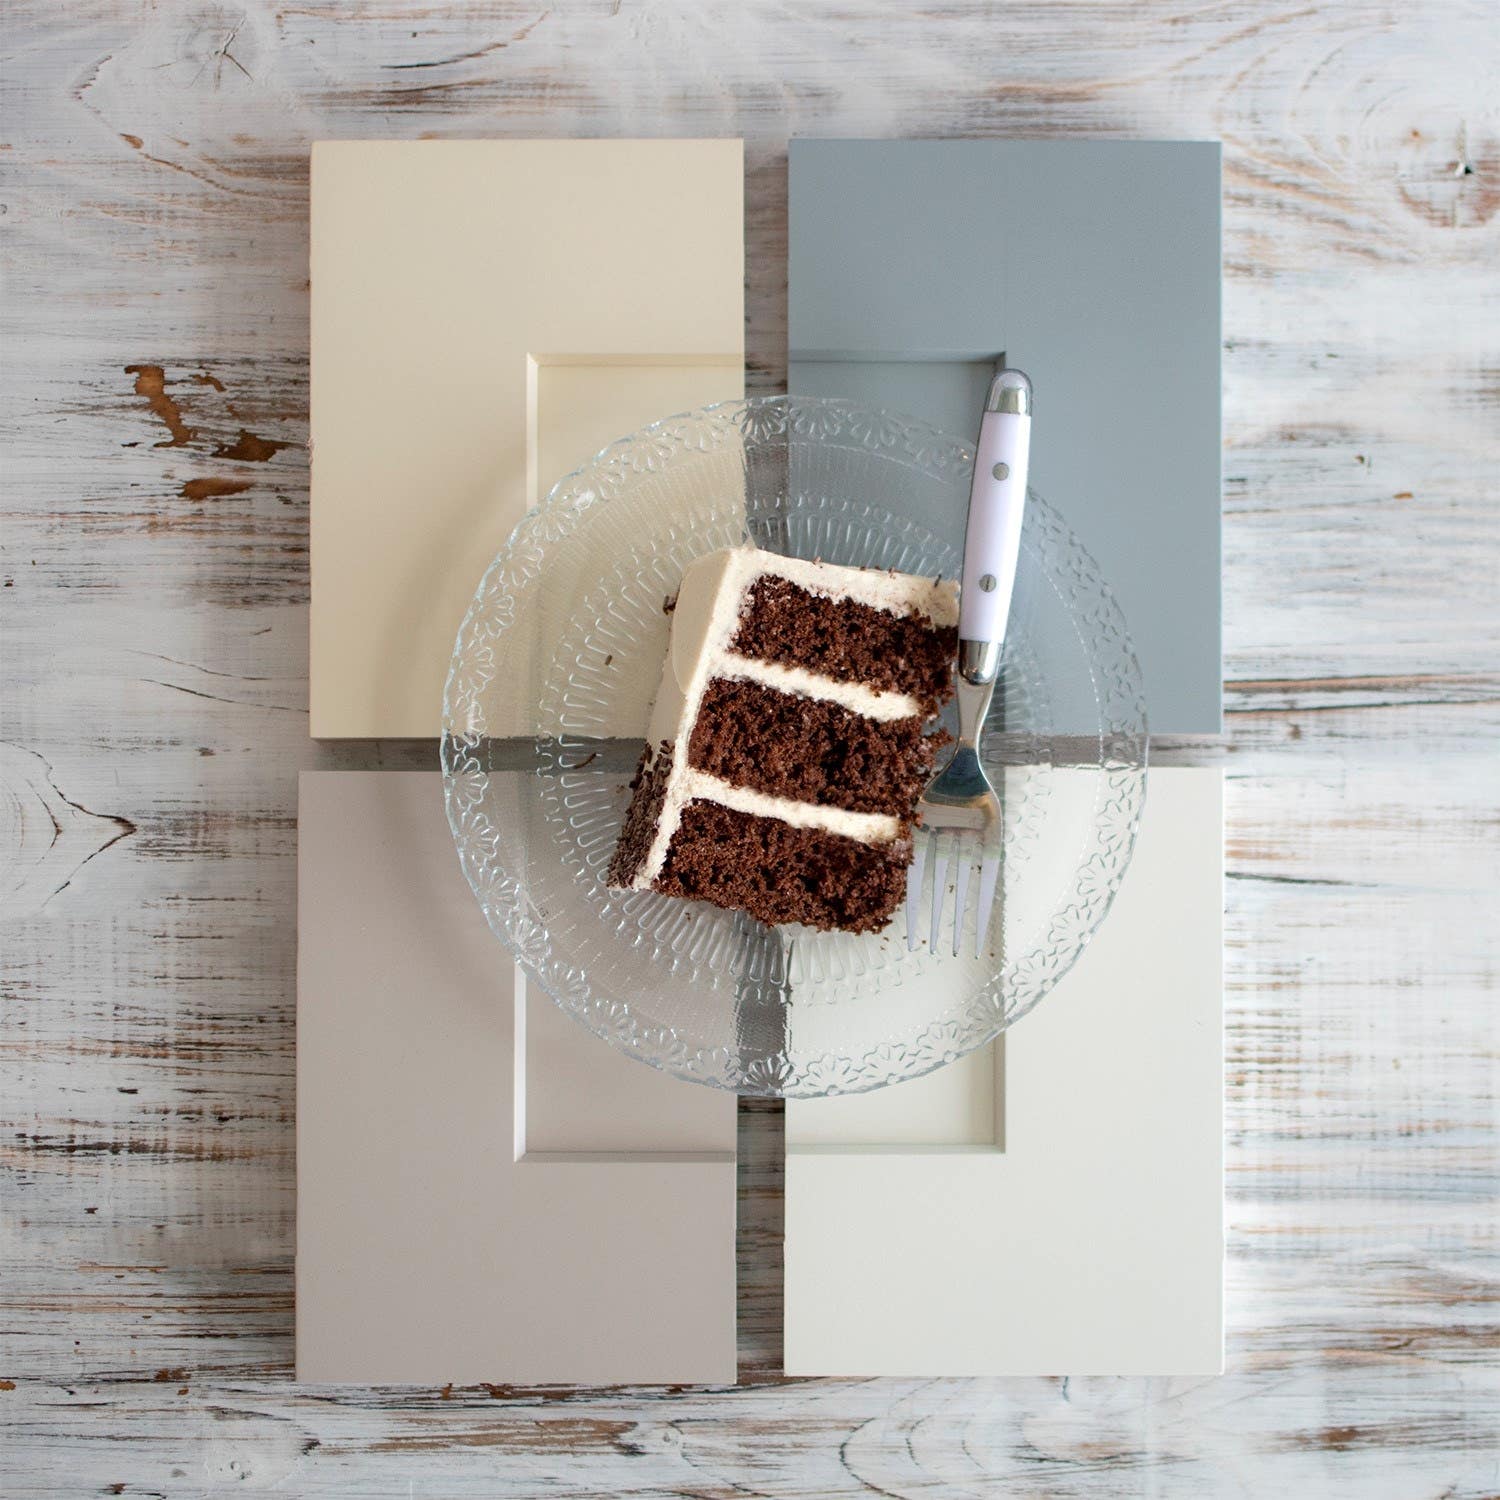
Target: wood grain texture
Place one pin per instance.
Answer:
(154, 574)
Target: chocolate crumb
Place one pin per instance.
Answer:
(609, 658)
(588, 760)
(669, 604)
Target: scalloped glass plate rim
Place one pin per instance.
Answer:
(499, 892)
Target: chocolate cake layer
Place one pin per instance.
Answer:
(648, 793)
(779, 873)
(808, 750)
(847, 640)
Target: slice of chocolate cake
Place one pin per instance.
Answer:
(790, 740)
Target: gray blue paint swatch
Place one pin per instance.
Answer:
(1095, 266)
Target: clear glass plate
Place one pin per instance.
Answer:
(544, 719)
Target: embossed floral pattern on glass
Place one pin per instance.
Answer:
(546, 705)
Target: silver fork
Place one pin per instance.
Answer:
(960, 812)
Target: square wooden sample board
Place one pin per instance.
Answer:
(1052, 1206)
(1095, 266)
(486, 315)
(484, 1191)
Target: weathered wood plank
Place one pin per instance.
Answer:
(154, 566)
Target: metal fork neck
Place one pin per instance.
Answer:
(973, 707)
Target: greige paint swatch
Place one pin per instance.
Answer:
(444, 1231)
(485, 316)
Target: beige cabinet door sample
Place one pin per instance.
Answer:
(1052, 1206)
(485, 316)
(484, 1190)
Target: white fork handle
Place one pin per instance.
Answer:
(997, 505)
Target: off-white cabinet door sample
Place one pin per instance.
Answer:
(485, 316)
(1056, 1209)
(484, 1190)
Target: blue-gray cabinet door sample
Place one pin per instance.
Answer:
(1094, 265)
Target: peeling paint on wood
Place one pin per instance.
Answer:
(250, 448)
(153, 639)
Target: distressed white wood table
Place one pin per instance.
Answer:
(154, 643)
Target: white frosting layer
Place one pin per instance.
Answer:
(868, 828)
(703, 624)
(897, 593)
(855, 696)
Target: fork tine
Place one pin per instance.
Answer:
(964, 867)
(939, 881)
(914, 888)
(989, 874)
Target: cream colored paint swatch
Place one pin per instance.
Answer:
(484, 1190)
(1056, 1209)
(485, 316)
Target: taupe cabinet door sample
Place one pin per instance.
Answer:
(485, 316)
(485, 1191)
(1052, 1206)
(1095, 266)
